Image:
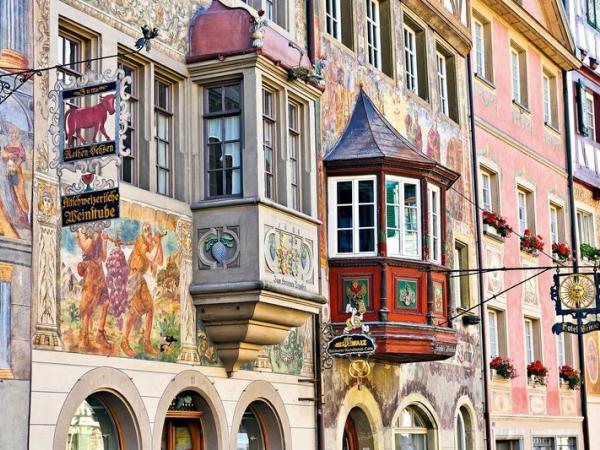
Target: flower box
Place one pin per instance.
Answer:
(537, 373)
(503, 368)
(570, 377)
(561, 251)
(531, 243)
(498, 223)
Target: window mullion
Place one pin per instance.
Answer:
(355, 224)
(401, 207)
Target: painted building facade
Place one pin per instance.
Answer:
(395, 148)
(520, 52)
(16, 166)
(583, 94)
(188, 321)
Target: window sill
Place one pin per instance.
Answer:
(222, 202)
(521, 108)
(551, 128)
(418, 98)
(340, 45)
(390, 78)
(490, 232)
(485, 81)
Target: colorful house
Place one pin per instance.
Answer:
(521, 51)
(396, 171)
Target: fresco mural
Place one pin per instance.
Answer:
(120, 287)
(292, 357)
(16, 122)
(171, 18)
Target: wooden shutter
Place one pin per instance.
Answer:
(580, 99)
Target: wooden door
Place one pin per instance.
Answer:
(182, 434)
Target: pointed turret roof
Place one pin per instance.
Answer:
(369, 136)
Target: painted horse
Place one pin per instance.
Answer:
(77, 119)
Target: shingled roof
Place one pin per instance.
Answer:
(369, 136)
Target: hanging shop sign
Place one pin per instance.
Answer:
(89, 117)
(574, 328)
(351, 345)
(576, 294)
(355, 340)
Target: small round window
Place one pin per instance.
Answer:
(93, 427)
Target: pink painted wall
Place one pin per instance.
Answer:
(503, 131)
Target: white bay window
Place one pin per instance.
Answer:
(403, 209)
(352, 210)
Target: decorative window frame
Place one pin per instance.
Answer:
(332, 214)
(431, 188)
(419, 182)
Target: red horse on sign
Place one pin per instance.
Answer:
(77, 119)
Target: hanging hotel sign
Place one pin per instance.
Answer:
(89, 118)
(576, 295)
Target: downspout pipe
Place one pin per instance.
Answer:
(479, 252)
(310, 30)
(575, 249)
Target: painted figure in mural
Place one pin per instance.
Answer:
(413, 130)
(433, 143)
(78, 119)
(94, 291)
(14, 157)
(147, 254)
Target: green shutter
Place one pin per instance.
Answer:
(591, 12)
(581, 108)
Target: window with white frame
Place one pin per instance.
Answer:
(275, 10)
(410, 60)
(493, 334)
(557, 223)
(463, 430)
(518, 70)
(223, 114)
(352, 216)
(130, 165)
(543, 443)
(549, 99)
(339, 21)
(5, 329)
(414, 429)
(531, 336)
(163, 109)
(269, 139)
(294, 149)
(554, 224)
(415, 58)
(435, 224)
(373, 34)
(566, 443)
(482, 47)
(589, 114)
(403, 212)
(442, 82)
(489, 190)
(461, 283)
(585, 228)
(446, 82)
(525, 210)
(479, 45)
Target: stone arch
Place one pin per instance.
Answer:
(193, 380)
(264, 394)
(125, 401)
(419, 400)
(365, 401)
